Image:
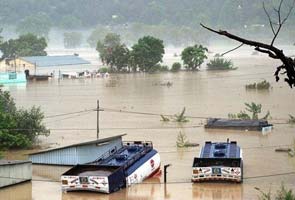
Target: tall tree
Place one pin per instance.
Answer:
(193, 56)
(25, 45)
(112, 52)
(147, 52)
(288, 63)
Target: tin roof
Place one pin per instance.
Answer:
(13, 162)
(53, 61)
(99, 141)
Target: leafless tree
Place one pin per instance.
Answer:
(288, 64)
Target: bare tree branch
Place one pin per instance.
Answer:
(232, 49)
(288, 63)
(269, 19)
(270, 54)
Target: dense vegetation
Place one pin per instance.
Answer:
(144, 56)
(109, 12)
(25, 45)
(19, 128)
(175, 22)
(193, 56)
(220, 64)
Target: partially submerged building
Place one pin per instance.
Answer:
(238, 124)
(78, 153)
(45, 65)
(13, 172)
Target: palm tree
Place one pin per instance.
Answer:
(253, 108)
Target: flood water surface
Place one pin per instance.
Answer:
(203, 94)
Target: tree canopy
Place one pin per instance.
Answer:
(147, 52)
(112, 12)
(19, 128)
(25, 45)
(193, 56)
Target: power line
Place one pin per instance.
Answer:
(69, 113)
(161, 183)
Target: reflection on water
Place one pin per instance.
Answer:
(21, 191)
(217, 191)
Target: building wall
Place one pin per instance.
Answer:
(20, 65)
(91, 153)
(11, 174)
(75, 155)
(67, 156)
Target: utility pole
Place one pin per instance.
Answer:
(97, 122)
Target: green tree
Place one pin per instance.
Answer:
(38, 24)
(72, 39)
(112, 52)
(176, 67)
(19, 128)
(147, 53)
(25, 45)
(193, 56)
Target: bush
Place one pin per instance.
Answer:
(158, 68)
(176, 67)
(263, 85)
(220, 64)
(104, 70)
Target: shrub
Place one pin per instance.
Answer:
(263, 85)
(158, 68)
(104, 70)
(220, 64)
(182, 140)
(176, 67)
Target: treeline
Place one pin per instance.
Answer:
(175, 22)
(89, 13)
(146, 56)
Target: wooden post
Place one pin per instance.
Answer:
(165, 172)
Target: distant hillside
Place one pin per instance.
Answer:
(89, 13)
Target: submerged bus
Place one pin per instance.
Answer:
(131, 164)
(219, 161)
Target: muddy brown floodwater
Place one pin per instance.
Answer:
(203, 93)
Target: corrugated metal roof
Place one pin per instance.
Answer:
(99, 141)
(13, 162)
(53, 61)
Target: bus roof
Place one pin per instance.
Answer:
(220, 150)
